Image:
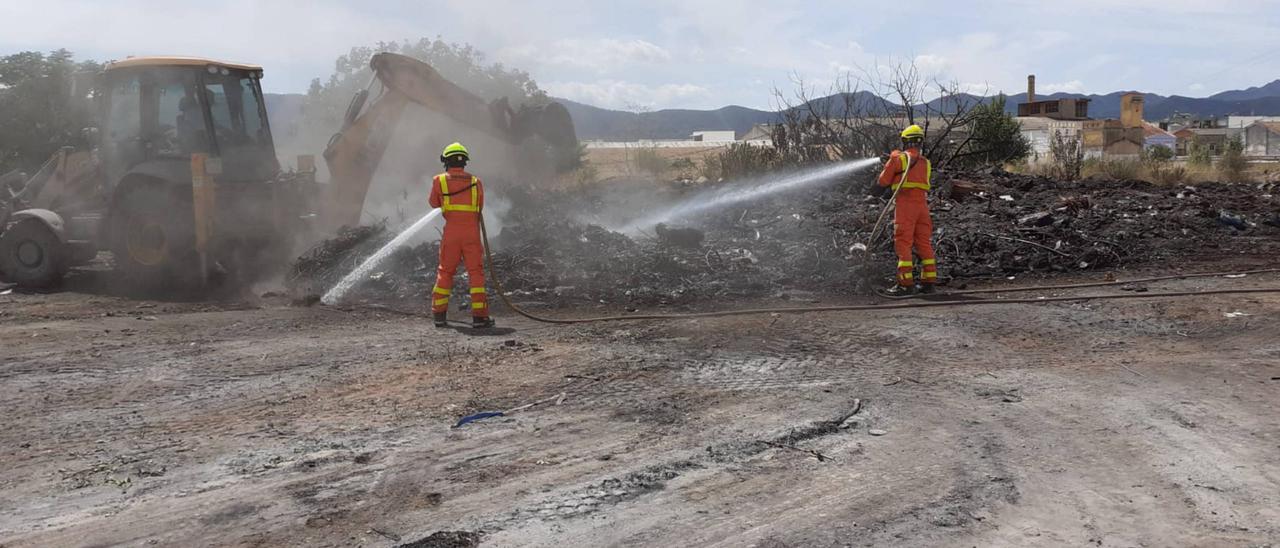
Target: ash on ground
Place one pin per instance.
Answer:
(807, 244)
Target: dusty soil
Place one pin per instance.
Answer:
(617, 162)
(256, 423)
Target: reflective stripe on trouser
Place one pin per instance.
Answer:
(457, 248)
(913, 229)
(479, 302)
(928, 271)
(905, 275)
(440, 298)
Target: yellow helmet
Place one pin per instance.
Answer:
(455, 149)
(913, 131)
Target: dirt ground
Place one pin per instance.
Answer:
(251, 422)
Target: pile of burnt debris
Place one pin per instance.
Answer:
(809, 243)
(997, 224)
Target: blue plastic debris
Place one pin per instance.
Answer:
(476, 417)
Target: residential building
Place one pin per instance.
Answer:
(1040, 132)
(1111, 138)
(1241, 122)
(1215, 138)
(1154, 137)
(1123, 137)
(1262, 138)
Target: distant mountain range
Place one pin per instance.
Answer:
(616, 125)
(597, 123)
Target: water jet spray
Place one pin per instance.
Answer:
(348, 282)
(716, 198)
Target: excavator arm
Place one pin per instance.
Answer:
(353, 154)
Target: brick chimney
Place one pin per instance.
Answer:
(1131, 110)
(1031, 88)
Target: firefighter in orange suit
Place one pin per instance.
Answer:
(460, 196)
(908, 173)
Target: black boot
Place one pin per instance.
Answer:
(441, 318)
(927, 289)
(483, 322)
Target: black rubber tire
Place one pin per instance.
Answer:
(32, 255)
(153, 238)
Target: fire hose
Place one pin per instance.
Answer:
(495, 277)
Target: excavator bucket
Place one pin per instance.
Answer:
(356, 150)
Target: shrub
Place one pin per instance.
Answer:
(1165, 173)
(647, 160)
(1199, 155)
(1116, 169)
(586, 174)
(1066, 156)
(710, 168)
(1158, 153)
(744, 160)
(684, 168)
(1232, 165)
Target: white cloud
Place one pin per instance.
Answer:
(618, 94)
(294, 39)
(1074, 86)
(744, 47)
(1196, 87)
(602, 55)
(929, 64)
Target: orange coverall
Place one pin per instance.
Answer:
(461, 196)
(912, 225)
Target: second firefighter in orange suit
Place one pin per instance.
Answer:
(460, 196)
(908, 173)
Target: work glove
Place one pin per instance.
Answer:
(876, 190)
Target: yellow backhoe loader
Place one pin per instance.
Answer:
(183, 177)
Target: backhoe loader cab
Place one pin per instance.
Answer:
(168, 108)
(164, 224)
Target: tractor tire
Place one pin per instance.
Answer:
(153, 238)
(32, 255)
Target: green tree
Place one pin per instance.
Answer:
(45, 104)
(995, 137)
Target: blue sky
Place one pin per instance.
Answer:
(702, 54)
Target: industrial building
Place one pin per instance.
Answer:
(1262, 139)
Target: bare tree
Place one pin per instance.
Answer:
(862, 113)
